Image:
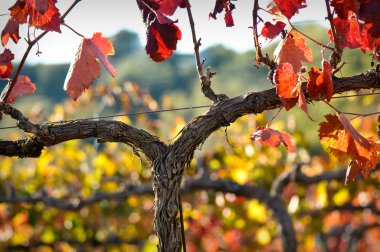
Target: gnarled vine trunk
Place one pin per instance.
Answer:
(167, 176)
(170, 161)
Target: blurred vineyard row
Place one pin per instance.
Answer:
(70, 198)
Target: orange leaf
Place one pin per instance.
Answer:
(273, 138)
(39, 5)
(86, 68)
(20, 11)
(303, 104)
(320, 82)
(353, 171)
(378, 126)
(293, 50)
(344, 141)
(286, 82)
(101, 47)
(22, 86)
(42, 14)
(354, 134)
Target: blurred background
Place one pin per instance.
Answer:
(327, 215)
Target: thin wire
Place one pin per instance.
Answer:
(164, 110)
(117, 115)
(355, 95)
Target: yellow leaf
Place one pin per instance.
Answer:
(263, 236)
(341, 197)
(256, 211)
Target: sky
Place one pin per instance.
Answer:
(111, 16)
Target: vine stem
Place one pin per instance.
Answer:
(30, 46)
(333, 31)
(205, 79)
(255, 34)
(77, 33)
(336, 57)
(310, 38)
(196, 42)
(274, 116)
(350, 113)
(355, 95)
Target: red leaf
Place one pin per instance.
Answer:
(227, 6)
(368, 41)
(293, 50)
(162, 33)
(270, 30)
(39, 5)
(290, 7)
(22, 86)
(162, 40)
(369, 13)
(273, 138)
(10, 31)
(40, 16)
(86, 67)
(344, 8)
(168, 7)
(348, 32)
(162, 19)
(320, 82)
(6, 66)
(228, 18)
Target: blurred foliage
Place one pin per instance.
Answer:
(213, 221)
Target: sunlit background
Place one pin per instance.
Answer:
(214, 221)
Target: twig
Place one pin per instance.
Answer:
(205, 80)
(310, 38)
(339, 67)
(355, 95)
(274, 116)
(77, 33)
(259, 55)
(30, 46)
(259, 58)
(337, 54)
(350, 113)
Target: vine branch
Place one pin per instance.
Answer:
(205, 79)
(194, 134)
(336, 57)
